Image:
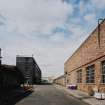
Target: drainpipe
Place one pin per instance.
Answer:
(99, 21)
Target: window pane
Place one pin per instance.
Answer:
(90, 74)
(79, 76)
(103, 72)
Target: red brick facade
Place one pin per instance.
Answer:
(92, 51)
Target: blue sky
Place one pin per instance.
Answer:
(51, 30)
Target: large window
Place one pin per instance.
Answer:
(90, 73)
(103, 72)
(79, 76)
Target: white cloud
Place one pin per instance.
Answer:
(58, 37)
(99, 4)
(77, 31)
(90, 17)
(44, 52)
(82, 7)
(34, 15)
(49, 53)
(28, 30)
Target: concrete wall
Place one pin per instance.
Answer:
(90, 52)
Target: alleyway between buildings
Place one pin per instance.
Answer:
(49, 95)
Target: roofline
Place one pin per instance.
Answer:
(84, 41)
(59, 77)
(23, 56)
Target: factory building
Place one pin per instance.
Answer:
(60, 80)
(86, 67)
(29, 69)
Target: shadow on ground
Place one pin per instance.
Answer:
(12, 96)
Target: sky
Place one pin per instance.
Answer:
(51, 30)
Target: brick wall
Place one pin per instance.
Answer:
(88, 53)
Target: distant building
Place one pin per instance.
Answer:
(48, 79)
(60, 80)
(29, 69)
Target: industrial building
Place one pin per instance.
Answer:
(60, 80)
(86, 67)
(29, 69)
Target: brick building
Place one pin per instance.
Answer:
(86, 67)
(60, 80)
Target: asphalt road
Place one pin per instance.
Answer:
(49, 95)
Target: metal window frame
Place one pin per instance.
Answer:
(102, 74)
(90, 76)
(79, 76)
